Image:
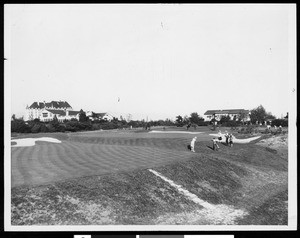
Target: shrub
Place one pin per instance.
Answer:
(71, 126)
(43, 128)
(248, 129)
(36, 128)
(203, 123)
(231, 124)
(96, 126)
(50, 128)
(278, 122)
(19, 126)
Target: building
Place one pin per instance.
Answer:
(99, 116)
(37, 108)
(61, 115)
(234, 114)
(47, 111)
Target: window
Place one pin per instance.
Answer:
(45, 114)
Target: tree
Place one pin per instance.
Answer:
(224, 119)
(129, 117)
(186, 120)
(36, 120)
(214, 121)
(269, 116)
(18, 125)
(179, 120)
(54, 120)
(82, 116)
(195, 118)
(242, 116)
(258, 114)
(53, 125)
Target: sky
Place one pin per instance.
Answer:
(151, 61)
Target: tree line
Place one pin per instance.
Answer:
(258, 115)
(84, 123)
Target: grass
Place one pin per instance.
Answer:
(104, 181)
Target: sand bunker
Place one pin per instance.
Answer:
(235, 140)
(31, 141)
(184, 132)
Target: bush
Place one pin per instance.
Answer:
(96, 126)
(71, 126)
(43, 128)
(278, 122)
(203, 123)
(231, 124)
(19, 126)
(61, 128)
(109, 126)
(248, 129)
(36, 128)
(50, 128)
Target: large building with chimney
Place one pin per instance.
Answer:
(47, 111)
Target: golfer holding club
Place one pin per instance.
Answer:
(193, 144)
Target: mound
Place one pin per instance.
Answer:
(139, 197)
(276, 144)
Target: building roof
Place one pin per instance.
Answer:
(54, 104)
(211, 112)
(101, 114)
(73, 113)
(227, 111)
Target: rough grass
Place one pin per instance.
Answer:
(139, 197)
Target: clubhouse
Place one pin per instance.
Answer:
(47, 111)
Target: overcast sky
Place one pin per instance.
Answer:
(159, 60)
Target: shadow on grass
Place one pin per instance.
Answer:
(210, 147)
(224, 143)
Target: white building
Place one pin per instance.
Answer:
(61, 115)
(35, 110)
(97, 116)
(59, 109)
(234, 114)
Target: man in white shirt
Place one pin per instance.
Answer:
(193, 144)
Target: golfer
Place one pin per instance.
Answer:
(215, 144)
(193, 144)
(227, 137)
(230, 140)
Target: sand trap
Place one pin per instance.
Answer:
(222, 213)
(182, 132)
(235, 140)
(31, 141)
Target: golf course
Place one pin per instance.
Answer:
(148, 177)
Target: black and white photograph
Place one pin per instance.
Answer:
(150, 117)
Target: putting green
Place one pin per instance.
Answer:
(87, 155)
